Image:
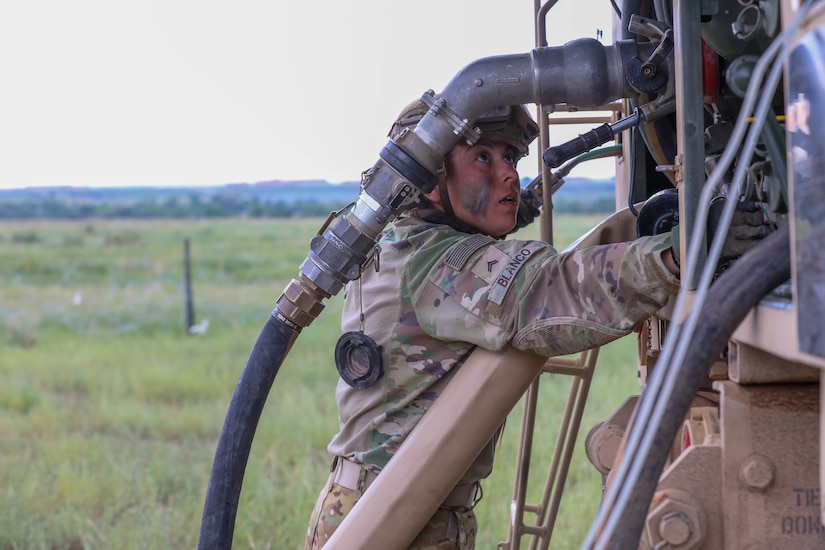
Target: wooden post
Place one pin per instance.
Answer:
(187, 286)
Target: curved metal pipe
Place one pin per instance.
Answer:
(584, 72)
(733, 294)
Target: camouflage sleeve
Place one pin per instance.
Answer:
(524, 293)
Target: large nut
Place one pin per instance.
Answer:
(675, 520)
(675, 528)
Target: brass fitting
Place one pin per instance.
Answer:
(301, 302)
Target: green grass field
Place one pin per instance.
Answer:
(109, 412)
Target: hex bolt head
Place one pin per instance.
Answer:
(757, 472)
(675, 528)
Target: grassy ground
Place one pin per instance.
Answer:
(109, 413)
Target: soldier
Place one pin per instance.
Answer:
(449, 282)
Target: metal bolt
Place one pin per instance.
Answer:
(757, 472)
(675, 528)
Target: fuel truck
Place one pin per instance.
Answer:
(697, 100)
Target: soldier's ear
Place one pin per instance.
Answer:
(434, 197)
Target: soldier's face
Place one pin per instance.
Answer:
(484, 185)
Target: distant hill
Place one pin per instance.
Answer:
(268, 198)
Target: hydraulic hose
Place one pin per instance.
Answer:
(226, 478)
(729, 299)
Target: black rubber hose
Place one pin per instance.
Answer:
(224, 489)
(748, 280)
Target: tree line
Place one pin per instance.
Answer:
(222, 205)
(193, 206)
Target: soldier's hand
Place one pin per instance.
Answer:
(748, 226)
(529, 208)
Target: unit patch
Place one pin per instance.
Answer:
(507, 272)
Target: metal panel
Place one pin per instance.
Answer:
(770, 466)
(806, 131)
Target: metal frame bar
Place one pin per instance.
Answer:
(690, 114)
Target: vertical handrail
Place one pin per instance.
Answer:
(546, 219)
(525, 452)
(557, 475)
(581, 370)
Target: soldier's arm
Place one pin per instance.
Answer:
(524, 293)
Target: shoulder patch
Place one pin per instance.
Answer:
(499, 288)
(457, 256)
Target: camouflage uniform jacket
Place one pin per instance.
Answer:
(440, 292)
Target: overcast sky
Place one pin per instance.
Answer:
(207, 92)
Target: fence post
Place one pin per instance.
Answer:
(187, 285)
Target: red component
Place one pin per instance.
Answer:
(686, 442)
(710, 74)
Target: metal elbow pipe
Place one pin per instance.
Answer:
(583, 72)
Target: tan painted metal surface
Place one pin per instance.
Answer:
(769, 467)
(438, 451)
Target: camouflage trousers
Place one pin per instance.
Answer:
(452, 528)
